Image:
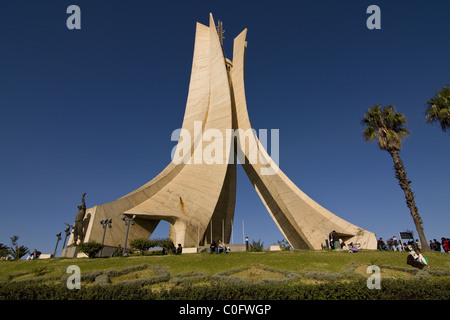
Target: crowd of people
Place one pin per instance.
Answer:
(436, 245)
(335, 242)
(391, 244)
(396, 245)
(415, 258)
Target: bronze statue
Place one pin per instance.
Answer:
(78, 227)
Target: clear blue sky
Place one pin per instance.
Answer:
(92, 110)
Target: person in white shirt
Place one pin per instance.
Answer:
(416, 259)
(396, 244)
(221, 247)
(421, 259)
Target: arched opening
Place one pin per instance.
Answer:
(161, 230)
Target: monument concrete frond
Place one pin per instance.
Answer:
(196, 192)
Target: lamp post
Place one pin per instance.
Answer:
(127, 221)
(246, 243)
(105, 224)
(67, 231)
(59, 238)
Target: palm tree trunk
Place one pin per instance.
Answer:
(404, 183)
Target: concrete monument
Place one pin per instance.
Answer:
(196, 195)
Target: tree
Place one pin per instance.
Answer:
(165, 243)
(438, 109)
(4, 251)
(256, 245)
(390, 128)
(17, 252)
(90, 248)
(141, 244)
(284, 245)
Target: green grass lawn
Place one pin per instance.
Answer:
(297, 261)
(286, 275)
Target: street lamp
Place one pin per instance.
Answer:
(105, 224)
(127, 221)
(246, 243)
(67, 231)
(59, 238)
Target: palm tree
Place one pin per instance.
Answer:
(4, 251)
(439, 108)
(16, 251)
(390, 128)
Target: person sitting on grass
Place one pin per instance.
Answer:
(34, 255)
(221, 248)
(352, 247)
(212, 247)
(381, 245)
(416, 260)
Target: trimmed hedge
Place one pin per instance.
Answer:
(354, 290)
(225, 285)
(227, 277)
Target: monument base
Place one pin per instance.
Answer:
(73, 252)
(69, 252)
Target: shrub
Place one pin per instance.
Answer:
(161, 276)
(16, 251)
(90, 248)
(4, 251)
(284, 245)
(115, 273)
(256, 246)
(102, 280)
(118, 251)
(323, 275)
(422, 275)
(40, 270)
(353, 290)
(227, 277)
(189, 277)
(141, 244)
(165, 243)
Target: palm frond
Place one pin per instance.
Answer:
(386, 124)
(438, 109)
(370, 134)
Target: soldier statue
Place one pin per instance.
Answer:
(78, 227)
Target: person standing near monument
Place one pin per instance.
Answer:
(333, 237)
(445, 244)
(78, 227)
(437, 245)
(431, 244)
